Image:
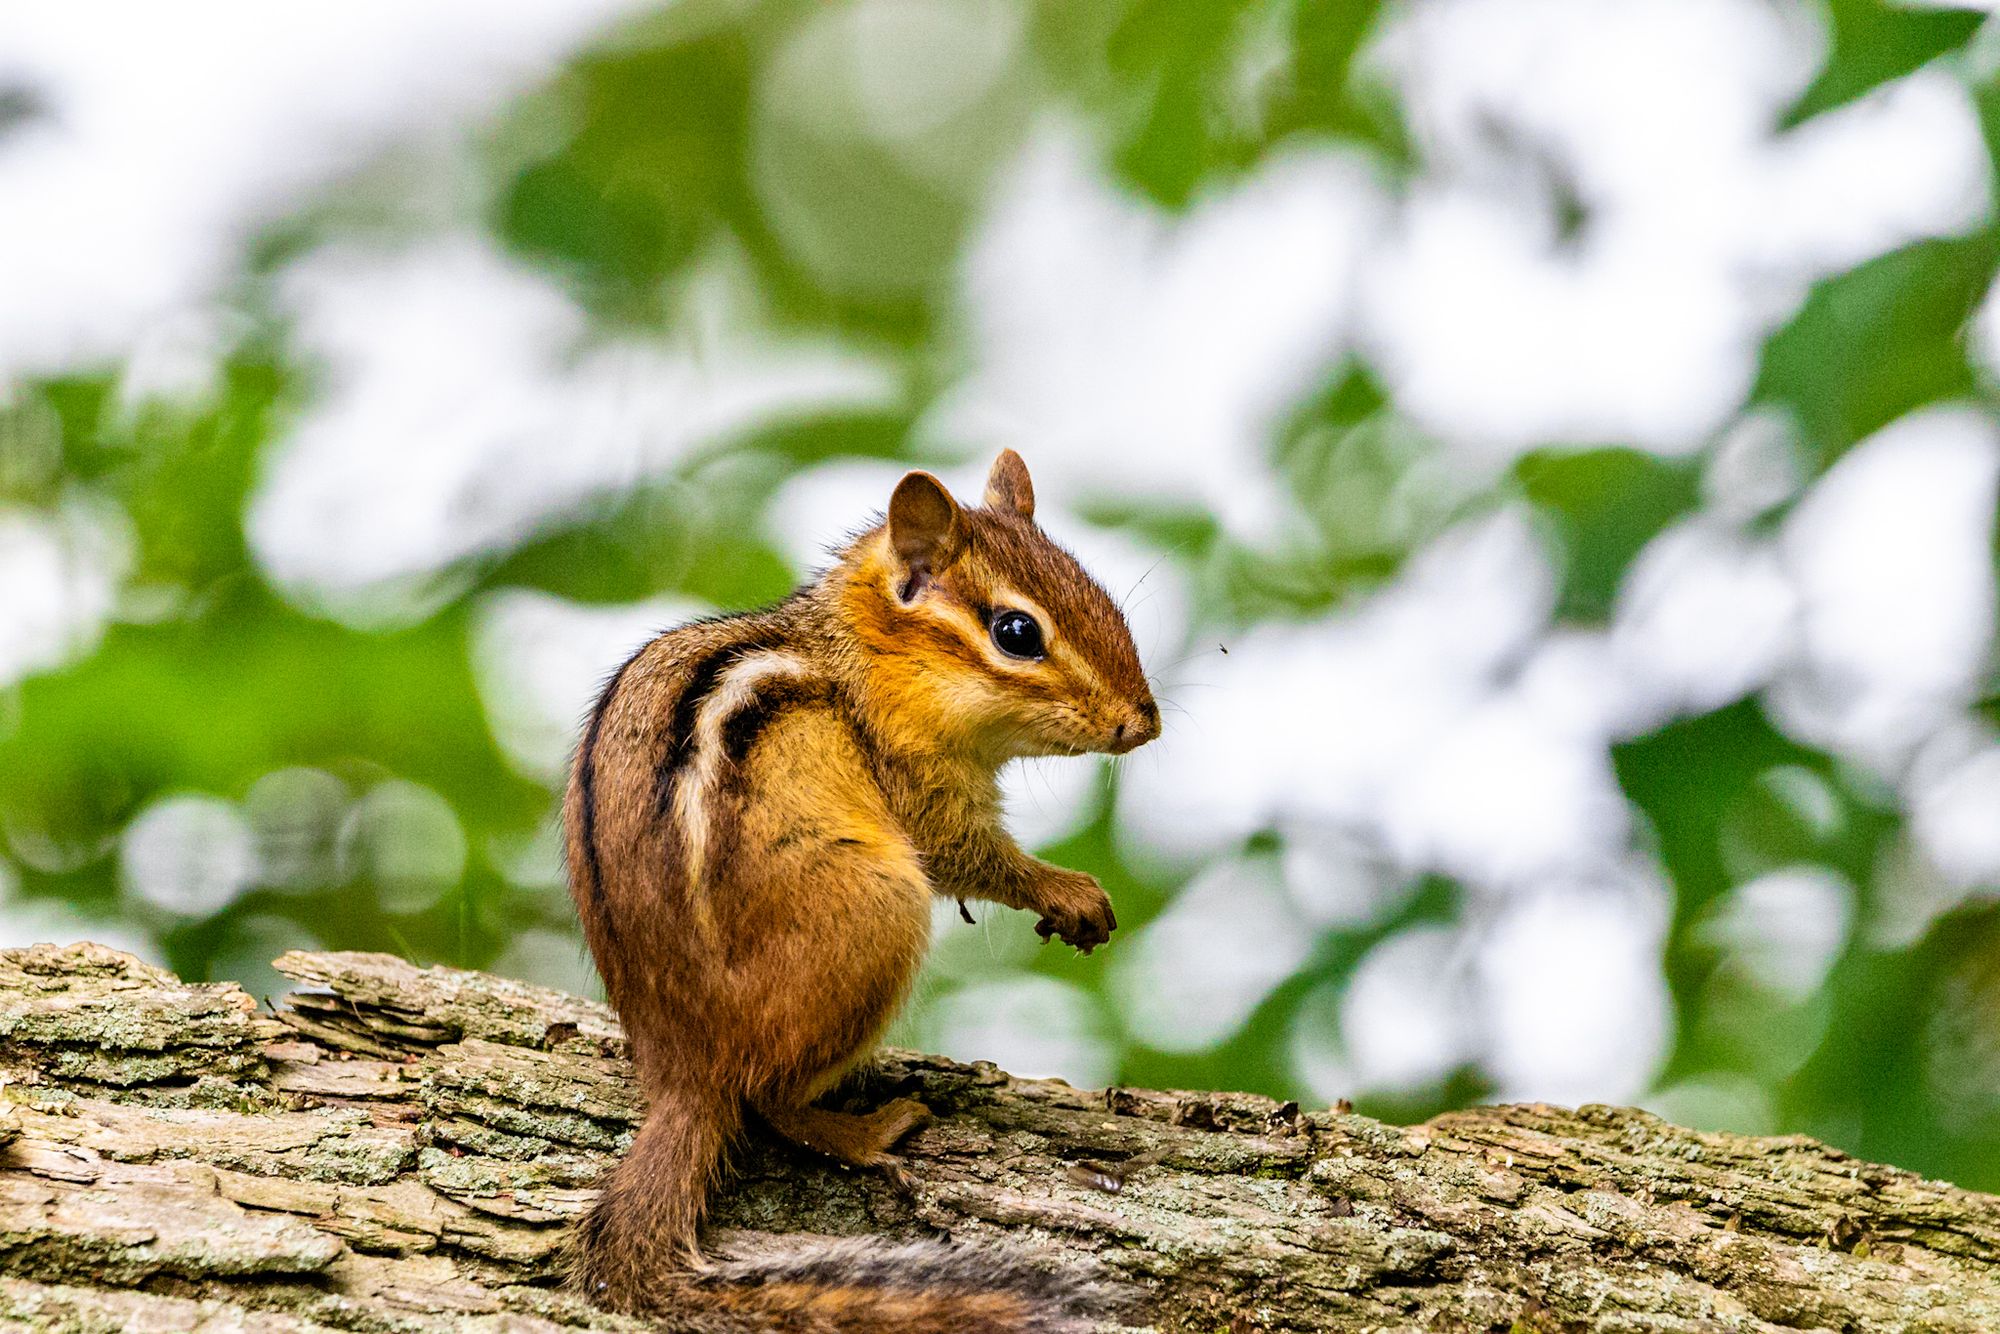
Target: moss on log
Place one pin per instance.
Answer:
(400, 1149)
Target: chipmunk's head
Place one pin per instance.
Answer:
(999, 627)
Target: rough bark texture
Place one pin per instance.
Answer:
(402, 1147)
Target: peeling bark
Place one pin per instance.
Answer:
(401, 1148)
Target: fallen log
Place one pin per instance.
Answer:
(400, 1148)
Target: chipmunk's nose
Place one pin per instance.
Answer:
(1137, 730)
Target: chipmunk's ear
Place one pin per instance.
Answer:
(926, 529)
(1008, 486)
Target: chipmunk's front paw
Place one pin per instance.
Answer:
(1078, 911)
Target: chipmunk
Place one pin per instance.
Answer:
(761, 811)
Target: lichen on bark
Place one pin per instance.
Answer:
(401, 1149)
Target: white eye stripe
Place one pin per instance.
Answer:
(1008, 599)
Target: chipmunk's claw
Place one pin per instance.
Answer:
(1086, 928)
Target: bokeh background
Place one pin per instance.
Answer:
(1548, 449)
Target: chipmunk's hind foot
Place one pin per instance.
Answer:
(857, 1141)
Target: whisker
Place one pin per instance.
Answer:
(1177, 707)
(1143, 578)
(1192, 654)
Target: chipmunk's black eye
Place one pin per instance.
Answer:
(1016, 634)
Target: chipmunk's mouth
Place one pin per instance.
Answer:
(1066, 744)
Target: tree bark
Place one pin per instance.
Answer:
(401, 1149)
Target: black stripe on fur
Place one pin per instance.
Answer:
(701, 683)
(586, 760)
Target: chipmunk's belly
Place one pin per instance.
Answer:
(830, 914)
(829, 960)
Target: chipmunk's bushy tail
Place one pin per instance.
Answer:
(862, 1285)
(641, 1231)
(635, 1251)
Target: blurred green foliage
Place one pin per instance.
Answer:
(632, 165)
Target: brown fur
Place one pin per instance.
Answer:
(758, 817)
